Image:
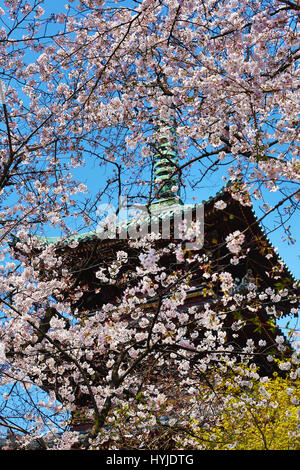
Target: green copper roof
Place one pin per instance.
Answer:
(162, 208)
(166, 177)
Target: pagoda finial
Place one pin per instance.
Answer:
(166, 177)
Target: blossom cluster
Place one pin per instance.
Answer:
(235, 241)
(113, 333)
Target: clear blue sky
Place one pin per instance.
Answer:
(288, 252)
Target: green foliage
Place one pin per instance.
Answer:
(262, 415)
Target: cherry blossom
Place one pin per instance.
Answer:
(235, 241)
(83, 94)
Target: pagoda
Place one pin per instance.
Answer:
(262, 264)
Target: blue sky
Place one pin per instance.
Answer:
(290, 253)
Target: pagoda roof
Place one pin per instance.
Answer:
(235, 216)
(162, 208)
(165, 209)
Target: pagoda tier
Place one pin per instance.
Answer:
(84, 254)
(261, 263)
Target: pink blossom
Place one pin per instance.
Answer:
(234, 241)
(220, 205)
